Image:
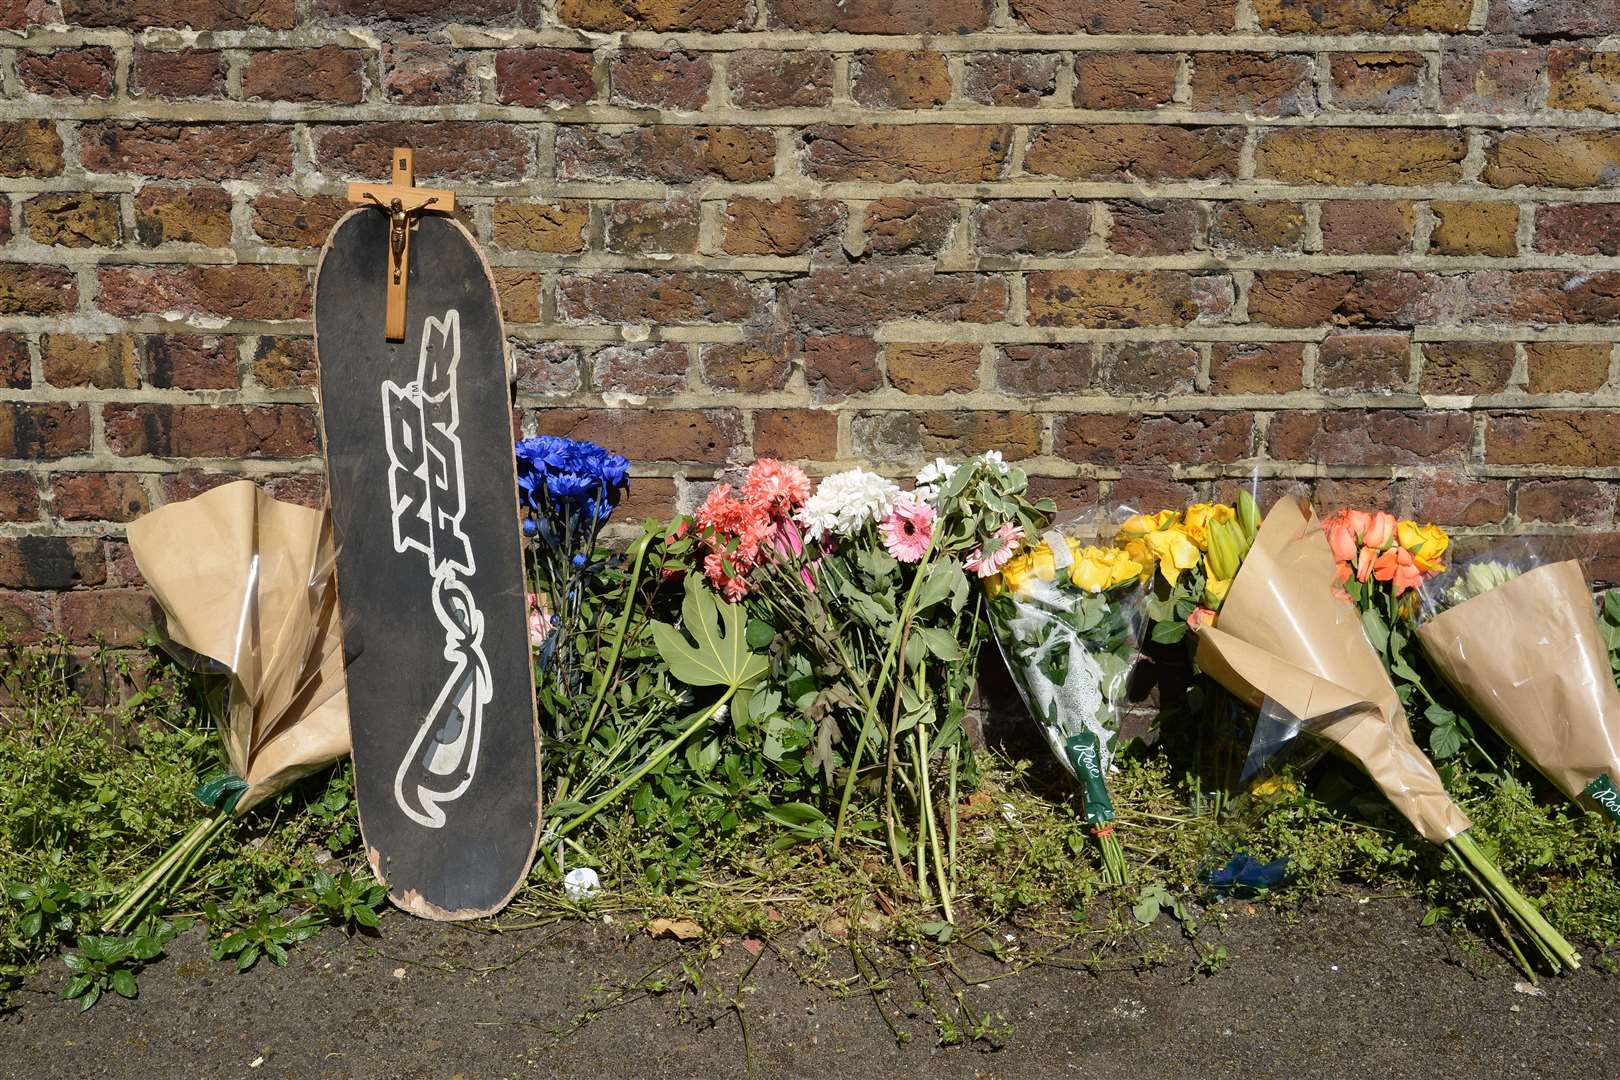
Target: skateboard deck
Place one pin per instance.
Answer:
(418, 439)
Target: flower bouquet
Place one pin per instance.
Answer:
(1062, 614)
(1281, 636)
(1520, 642)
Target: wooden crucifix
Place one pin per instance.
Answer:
(402, 201)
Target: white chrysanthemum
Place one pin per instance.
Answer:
(932, 478)
(846, 501)
(992, 459)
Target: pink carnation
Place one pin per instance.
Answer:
(776, 488)
(908, 529)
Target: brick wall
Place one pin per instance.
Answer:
(1144, 246)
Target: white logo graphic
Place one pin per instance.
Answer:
(427, 501)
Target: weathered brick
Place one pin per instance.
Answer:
(51, 562)
(925, 153)
(790, 226)
(1124, 80)
(796, 434)
(36, 290)
(185, 73)
(698, 436)
(299, 221)
(1126, 16)
(1371, 436)
(1156, 226)
(195, 14)
(1564, 502)
(1467, 367)
(1450, 499)
(664, 15)
(116, 617)
(188, 151)
(1579, 229)
(1134, 152)
(519, 291)
(1117, 439)
(1492, 80)
(539, 77)
(649, 497)
(1066, 368)
(557, 228)
(1550, 158)
(1262, 367)
(1376, 16)
(675, 155)
(445, 150)
(747, 367)
(838, 365)
(74, 219)
(419, 11)
(660, 78)
(1257, 226)
(189, 362)
(30, 148)
(25, 617)
(546, 368)
(1075, 496)
(232, 292)
(19, 497)
(283, 363)
(1150, 488)
(35, 431)
(211, 431)
(1147, 368)
(15, 365)
(22, 14)
(1367, 227)
(1400, 156)
(662, 226)
(1555, 18)
(646, 370)
(1364, 362)
(1021, 79)
(674, 297)
(882, 16)
(183, 215)
(763, 79)
(932, 368)
(100, 496)
(871, 294)
(1267, 84)
(1392, 298)
(1539, 296)
(1583, 438)
(1474, 228)
(900, 79)
(1125, 298)
(328, 73)
(1032, 226)
(916, 435)
(69, 73)
(1378, 82)
(421, 72)
(909, 226)
(107, 363)
(1556, 367)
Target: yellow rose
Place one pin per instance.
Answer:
(1042, 564)
(1200, 516)
(1143, 524)
(1174, 552)
(1124, 568)
(1090, 574)
(994, 586)
(1017, 575)
(1427, 543)
(1215, 590)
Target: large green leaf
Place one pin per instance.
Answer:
(717, 652)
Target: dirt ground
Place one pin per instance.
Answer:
(1352, 988)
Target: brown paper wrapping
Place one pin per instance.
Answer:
(1529, 658)
(1283, 636)
(246, 581)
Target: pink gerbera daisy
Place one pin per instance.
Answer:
(908, 529)
(988, 559)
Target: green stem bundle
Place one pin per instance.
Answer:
(165, 876)
(1559, 954)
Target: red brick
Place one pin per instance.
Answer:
(326, 74)
(16, 368)
(796, 434)
(183, 215)
(1134, 152)
(648, 497)
(1365, 227)
(1364, 362)
(445, 150)
(1371, 436)
(1372, 298)
(22, 14)
(700, 436)
(646, 370)
(882, 16)
(1147, 368)
(1467, 367)
(1579, 229)
(762, 79)
(636, 227)
(284, 363)
(933, 368)
(1491, 80)
(870, 294)
(98, 497)
(186, 362)
(299, 221)
(542, 76)
(1555, 18)
(1075, 496)
(19, 497)
(68, 73)
(912, 436)
(663, 15)
(1116, 439)
(838, 365)
(924, 153)
(546, 368)
(1567, 366)
(1126, 16)
(1156, 226)
(195, 14)
(1021, 79)
(37, 431)
(1124, 80)
(1376, 16)
(1125, 298)
(186, 73)
(211, 431)
(69, 360)
(1348, 156)
(116, 617)
(25, 617)
(909, 226)
(36, 290)
(898, 79)
(1585, 438)
(51, 562)
(1262, 83)
(419, 11)
(789, 227)
(1453, 500)
(660, 78)
(30, 148)
(1265, 367)
(1032, 226)
(416, 72)
(677, 296)
(747, 367)
(1378, 82)
(671, 154)
(1565, 502)
(187, 152)
(232, 292)
(1065, 368)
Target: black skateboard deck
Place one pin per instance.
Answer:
(418, 437)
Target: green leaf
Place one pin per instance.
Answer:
(91, 996)
(1146, 910)
(249, 957)
(941, 931)
(123, 983)
(717, 654)
(1445, 740)
(1168, 633)
(1377, 632)
(31, 923)
(77, 985)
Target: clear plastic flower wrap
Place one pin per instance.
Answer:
(1516, 634)
(1065, 617)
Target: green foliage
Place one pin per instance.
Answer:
(103, 963)
(346, 901)
(268, 934)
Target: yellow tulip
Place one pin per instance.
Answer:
(1427, 543)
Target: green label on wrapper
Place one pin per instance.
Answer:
(1085, 754)
(1603, 792)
